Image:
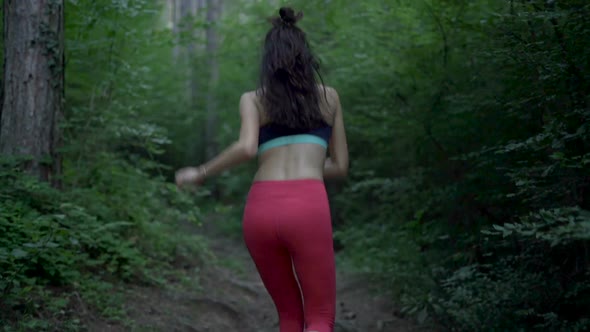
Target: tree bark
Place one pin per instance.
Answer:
(175, 22)
(33, 84)
(192, 10)
(213, 13)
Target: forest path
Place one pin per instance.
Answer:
(229, 297)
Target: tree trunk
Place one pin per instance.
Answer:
(33, 84)
(175, 22)
(187, 14)
(213, 13)
(191, 11)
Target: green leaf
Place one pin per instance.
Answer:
(19, 253)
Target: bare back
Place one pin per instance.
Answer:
(297, 161)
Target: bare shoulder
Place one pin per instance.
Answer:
(331, 94)
(253, 100)
(329, 89)
(331, 100)
(249, 96)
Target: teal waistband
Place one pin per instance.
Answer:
(291, 139)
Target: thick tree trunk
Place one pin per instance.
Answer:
(33, 84)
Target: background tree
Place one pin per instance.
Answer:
(33, 84)
(213, 15)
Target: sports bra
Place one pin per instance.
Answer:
(273, 135)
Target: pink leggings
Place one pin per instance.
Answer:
(288, 232)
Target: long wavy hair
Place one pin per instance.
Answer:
(288, 85)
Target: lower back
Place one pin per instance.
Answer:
(296, 161)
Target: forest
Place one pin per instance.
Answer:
(468, 197)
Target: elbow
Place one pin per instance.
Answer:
(343, 171)
(249, 151)
(343, 167)
(336, 169)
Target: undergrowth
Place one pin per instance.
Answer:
(64, 254)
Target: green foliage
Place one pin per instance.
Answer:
(469, 143)
(116, 219)
(64, 240)
(541, 259)
(468, 134)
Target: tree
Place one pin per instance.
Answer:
(33, 84)
(213, 14)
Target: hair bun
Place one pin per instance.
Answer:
(288, 15)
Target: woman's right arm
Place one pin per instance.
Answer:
(336, 165)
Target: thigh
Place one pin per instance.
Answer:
(311, 245)
(274, 264)
(315, 266)
(275, 267)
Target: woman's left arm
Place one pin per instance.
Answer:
(244, 149)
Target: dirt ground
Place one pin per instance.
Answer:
(230, 297)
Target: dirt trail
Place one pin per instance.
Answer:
(230, 297)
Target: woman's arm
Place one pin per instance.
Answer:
(336, 166)
(244, 149)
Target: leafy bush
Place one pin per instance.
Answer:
(61, 240)
(475, 213)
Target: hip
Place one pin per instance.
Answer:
(291, 208)
(289, 189)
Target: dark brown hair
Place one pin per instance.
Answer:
(288, 84)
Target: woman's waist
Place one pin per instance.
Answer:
(272, 189)
(277, 175)
(272, 171)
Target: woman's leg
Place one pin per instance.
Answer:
(314, 263)
(276, 271)
(310, 242)
(285, 219)
(272, 260)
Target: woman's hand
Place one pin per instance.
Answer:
(190, 175)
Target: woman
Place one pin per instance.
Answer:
(289, 123)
